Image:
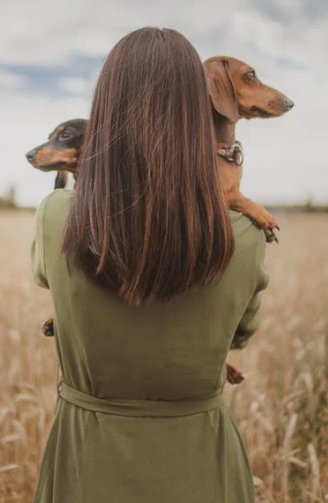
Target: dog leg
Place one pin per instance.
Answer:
(233, 375)
(48, 328)
(257, 213)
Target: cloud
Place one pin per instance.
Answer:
(55, 33)
(74, 85)
(48, 79)
(292, 11)
(314, 10)
(12, 80)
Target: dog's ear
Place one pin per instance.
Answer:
(61, 180)
(221, 89)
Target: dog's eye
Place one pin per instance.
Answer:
(251, 75)
(66, 135)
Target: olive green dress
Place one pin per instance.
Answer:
(140, 417)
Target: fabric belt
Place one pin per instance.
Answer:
(140, 408)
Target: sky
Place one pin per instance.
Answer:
(52, 52)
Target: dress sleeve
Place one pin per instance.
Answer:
(250, 320)
(38, 247)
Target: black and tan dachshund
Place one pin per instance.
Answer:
(61, 152)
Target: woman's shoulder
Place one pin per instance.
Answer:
(249, 253)
(53, 210)
(247, 234)
(55, 199)
(50, 218)
(55, 203)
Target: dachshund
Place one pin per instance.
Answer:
(236, 93)
(61, 152)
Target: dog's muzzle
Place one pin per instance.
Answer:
(31, 154)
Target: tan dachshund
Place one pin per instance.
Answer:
(237, 93)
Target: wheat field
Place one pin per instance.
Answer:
(281, 408)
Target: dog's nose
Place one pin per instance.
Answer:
(289, 103)
(30, 155)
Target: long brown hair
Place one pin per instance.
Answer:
(148, 219)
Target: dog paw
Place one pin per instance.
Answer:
(271, 235)
(48, 328)
(260, 217)
(233, 375)
(264, 219)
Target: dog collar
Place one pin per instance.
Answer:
(232, 153)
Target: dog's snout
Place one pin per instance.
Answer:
(31, 154)
(289, 103)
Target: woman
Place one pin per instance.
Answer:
(152, 284)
